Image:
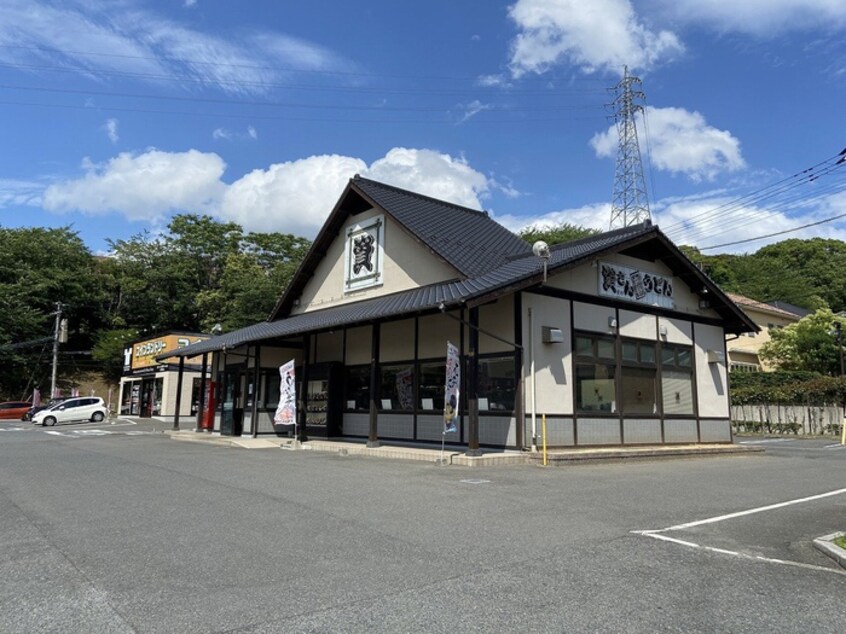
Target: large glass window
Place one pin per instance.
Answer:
(431, 389)
(358, 388)
(596, 389)
(496, 384)
(397, 387)
(677, 380)
(639, 378)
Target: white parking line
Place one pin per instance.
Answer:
(766, 441)
(760, 509)
(659, 533)
(835, 446)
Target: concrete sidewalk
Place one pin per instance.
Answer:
(452, 456)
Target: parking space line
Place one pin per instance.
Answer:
(760, 509)
(733, 553)
(660, 533)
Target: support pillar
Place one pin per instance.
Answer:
(256, 386)
(303, 396)
(472, 385)
(372, 435)
(202, 404)
(179, 378)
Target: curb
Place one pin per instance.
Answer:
(826, 545)
(458, 458)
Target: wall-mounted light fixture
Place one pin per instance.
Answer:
(612, 322)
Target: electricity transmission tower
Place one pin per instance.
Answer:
(628, 201)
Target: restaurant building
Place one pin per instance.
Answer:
(148, 386)
(616, 338)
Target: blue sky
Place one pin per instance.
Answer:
(116, 115)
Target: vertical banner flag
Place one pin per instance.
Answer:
(451, 388)
(36, 397)
(286, 413)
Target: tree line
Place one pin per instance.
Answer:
(199, 272)
(196, 273)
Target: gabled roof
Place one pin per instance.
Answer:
(466, 239)
(522, 272)
(763, 307)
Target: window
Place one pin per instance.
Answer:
(397, 387)
(358, 388)
(677, 380)
(431, 389)
(496, 384)
(639, 378)
(595, 374)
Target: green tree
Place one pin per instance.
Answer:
(807, 345)
(556, 233)
(39, 267)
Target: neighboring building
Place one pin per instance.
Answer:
(148, 386)
(617, 338)
(743, 349)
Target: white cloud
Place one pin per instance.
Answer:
(595, 35)
(111, 128)
(190, 3)
(18, 193)
(252, 132)
(471, 109)
(142, 187)
(592, 216)
(229, 135)
(759, 17)
(432, 173)
(294, 197)
(132, 39)
(221, 133)
(680, 142)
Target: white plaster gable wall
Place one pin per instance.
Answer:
(711, 378)
(585, 279)
(407, 264)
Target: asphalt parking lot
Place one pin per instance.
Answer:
(111, 528)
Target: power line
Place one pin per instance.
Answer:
(765, 193)
(772, 235)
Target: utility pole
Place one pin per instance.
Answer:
(60, 334)
(629, 205)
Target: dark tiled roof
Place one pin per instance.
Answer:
(520, 272)
(467, 239)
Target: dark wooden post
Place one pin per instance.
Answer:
(302, 413)
(256, 380)
(373, 432)
(178, 393)
(472, 385)
(202, 405)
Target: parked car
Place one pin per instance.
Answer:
(14, 410)
(73, 409)
(34, 410)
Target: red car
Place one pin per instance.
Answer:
(14, 410)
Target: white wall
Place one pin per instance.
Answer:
(711, 383)
(585, 279)
(407, 264)
(553, 361)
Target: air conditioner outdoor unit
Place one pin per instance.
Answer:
(552, 335)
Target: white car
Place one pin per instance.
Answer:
(73, 409)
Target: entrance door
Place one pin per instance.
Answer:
(232, 411)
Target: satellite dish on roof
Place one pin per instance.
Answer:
(541, 249)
